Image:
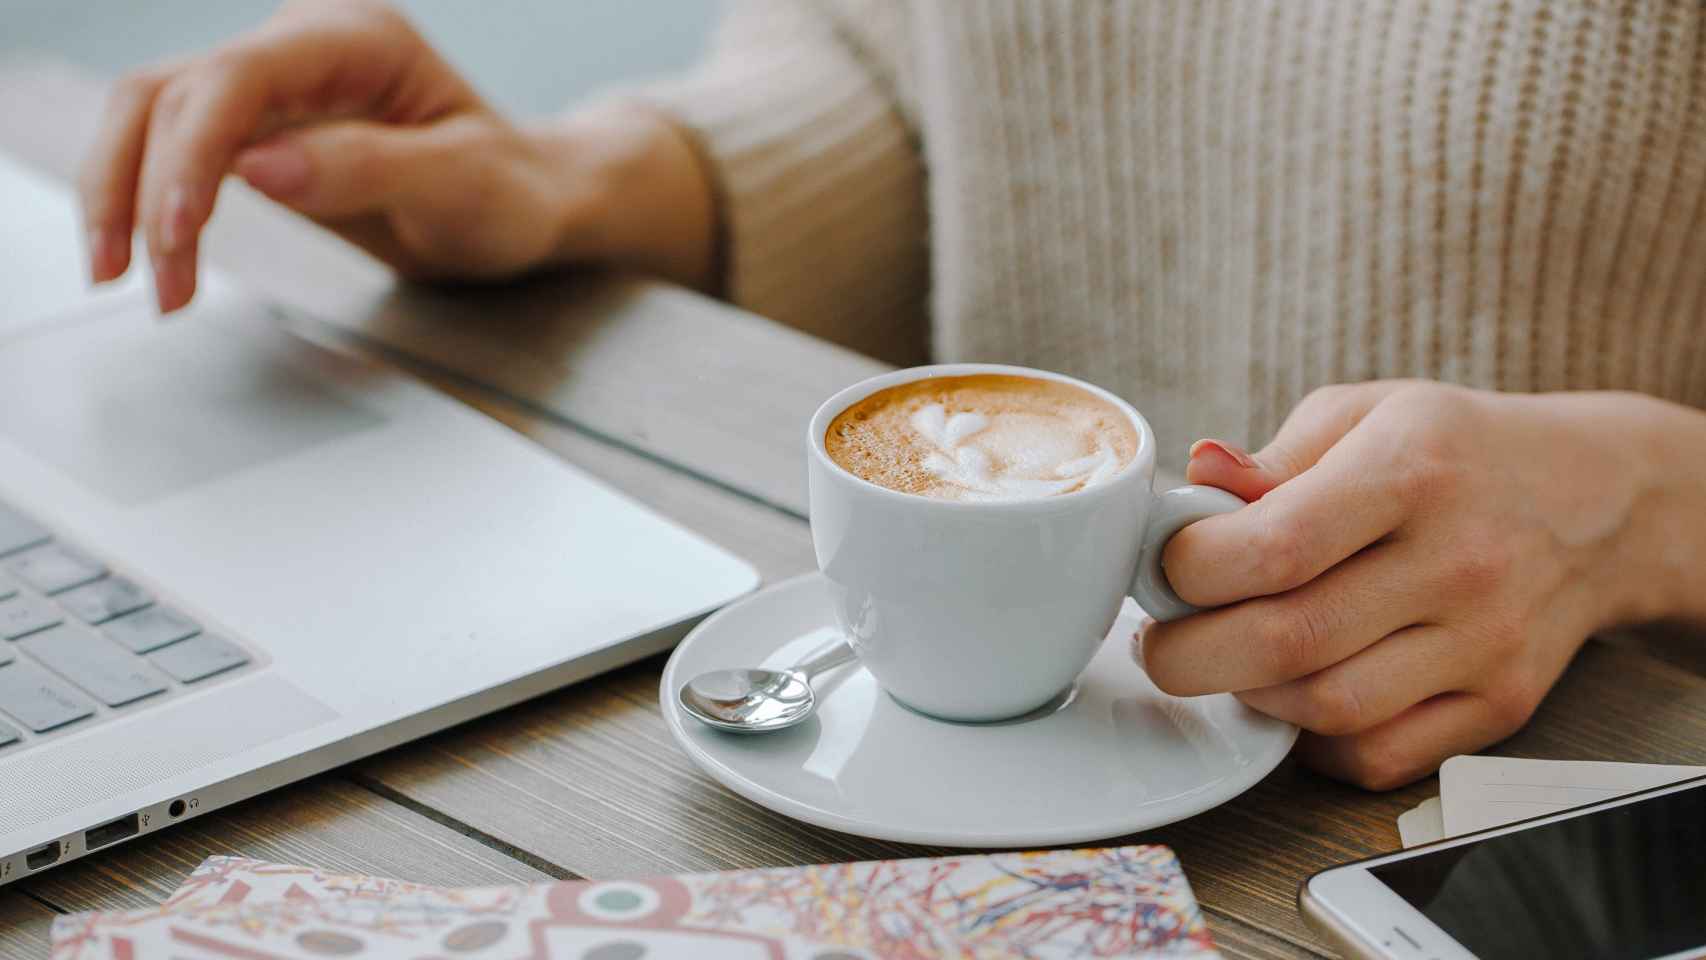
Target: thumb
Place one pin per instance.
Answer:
(336, 170)
(1324, 416)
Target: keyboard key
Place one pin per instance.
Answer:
(26, 613)
(6, 653)
(38, 699)
(93, 663)
(18, 531)
(199, 657)
(8, 587)
(104, 599)
(8, 734)
(151, 628)
(53, 568)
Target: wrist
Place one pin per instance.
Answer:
(1654, 567)
(628, 189)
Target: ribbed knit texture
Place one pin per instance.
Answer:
(821, 189)
(1213, 206)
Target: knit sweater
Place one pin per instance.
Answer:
(1211, 207)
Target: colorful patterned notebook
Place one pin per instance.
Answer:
(1121, 902)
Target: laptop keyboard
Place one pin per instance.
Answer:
(78, 640)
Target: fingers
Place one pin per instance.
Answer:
(106, 181)
(339, 170)
(173, 132)
(1227, 466)
(410, 196)
(1273, 640)
(1313, 503)
(1411, 745)
(1319, 421)
(1290, 536)
(1370, 687)
(198, 122)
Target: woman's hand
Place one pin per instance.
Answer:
(1421, 562)
(341, 111)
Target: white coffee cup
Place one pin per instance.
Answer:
(980, 611)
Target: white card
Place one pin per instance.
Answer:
(1425, 824)
(1481, 792)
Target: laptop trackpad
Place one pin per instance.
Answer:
(135, 409)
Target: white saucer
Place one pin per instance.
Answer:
(1120, 757)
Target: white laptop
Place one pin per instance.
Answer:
(231, 557)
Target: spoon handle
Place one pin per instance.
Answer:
(832, 654)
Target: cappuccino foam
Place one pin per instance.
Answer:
(983, 437)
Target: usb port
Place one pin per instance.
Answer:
(43, 856)
(97, 837)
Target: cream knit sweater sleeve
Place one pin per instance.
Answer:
(817, 170)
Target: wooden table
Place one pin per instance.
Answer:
(698, 410)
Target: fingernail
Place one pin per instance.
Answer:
(103, 254)
(1213, 447)
(162, 281)
(274, 168)
(179, 217)
(173, 283)
(1143, 628)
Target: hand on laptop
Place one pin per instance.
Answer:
(343, 112)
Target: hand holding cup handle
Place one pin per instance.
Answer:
(978, 610)
(1173, 511)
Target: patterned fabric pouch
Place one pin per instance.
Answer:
(1118, 902)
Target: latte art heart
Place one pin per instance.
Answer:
(983, 438)
(962, 461)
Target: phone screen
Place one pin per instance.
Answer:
(1625, 882)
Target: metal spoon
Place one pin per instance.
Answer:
(759, 701)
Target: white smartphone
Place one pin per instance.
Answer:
(1622, 879)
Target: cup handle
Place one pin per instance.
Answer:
(1173, 511)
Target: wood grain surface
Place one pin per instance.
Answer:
(24, 924)
(697, 410)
